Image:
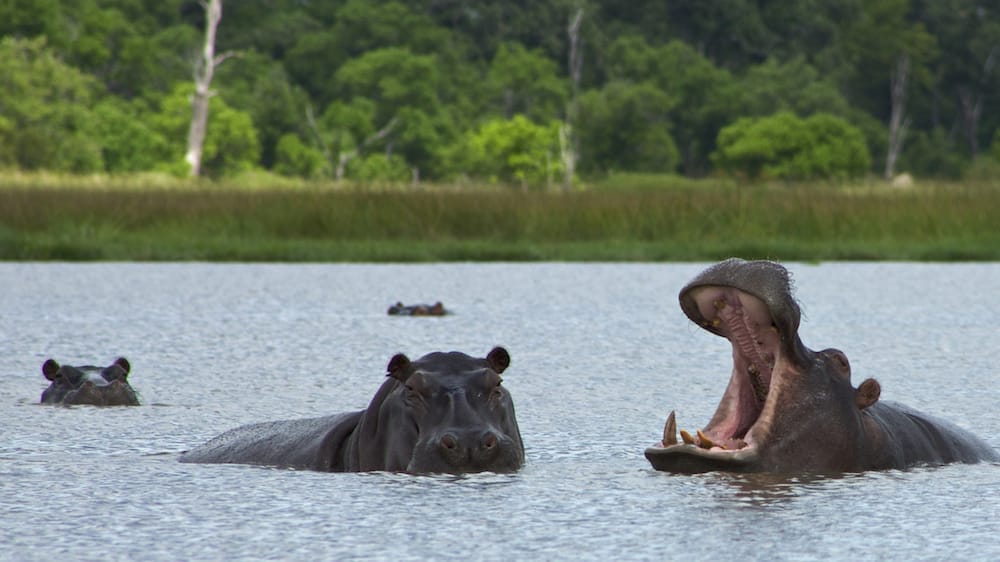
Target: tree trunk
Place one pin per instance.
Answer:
(203, 72)
(971, 105)
(897, 122)
(567, 139)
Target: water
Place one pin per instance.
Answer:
(600, 354)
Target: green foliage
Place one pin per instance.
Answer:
(626, 127)
(932, 154)
(704, 96)
(44, 121)
(405, 87)
(527, 83)
(295, 158)
(515, 151)
(379, 168)
(660, 80)
(788, 147)
(259, 86)
(774, 86)
(231, 144)
(128, 143)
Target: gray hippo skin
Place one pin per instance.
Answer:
(790, 409)
(87, 384)
(444, 412)
(400, 309)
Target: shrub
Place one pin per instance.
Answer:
(786, 146)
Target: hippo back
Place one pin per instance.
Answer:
(312, 444)
(912, 437)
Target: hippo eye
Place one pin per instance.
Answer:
(495, 391)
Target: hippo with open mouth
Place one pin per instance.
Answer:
(788, 408)
(87, 384)
(443, 413)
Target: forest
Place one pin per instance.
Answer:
(527, 93)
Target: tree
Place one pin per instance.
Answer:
(128, 142)
(569, 145)
(45, 122)
(296, 158)
(704, 97)
(203, 73)
(627, 127)
(515, 151)
(788, 147)
(889, 53)
(525, 82)
(406, 87)
(968, 72)
(231, 144)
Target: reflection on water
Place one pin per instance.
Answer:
(600, 352)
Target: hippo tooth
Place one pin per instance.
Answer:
(705, 442)
(719, 304)
(716, 322)
(670, 430)
(688, 440)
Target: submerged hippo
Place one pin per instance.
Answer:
(400, 309)
(444, 412)
(97, 386)
(788, 408)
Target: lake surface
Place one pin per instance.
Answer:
(600, 354)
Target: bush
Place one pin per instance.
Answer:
(515, 151)
(786, 146)
(295, 158)
(379, 168)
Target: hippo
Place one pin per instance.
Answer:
(787, 408)
(443, 413)
(86, 384)
(400, 309)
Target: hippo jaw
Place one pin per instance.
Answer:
(750, 304)
(731, 439)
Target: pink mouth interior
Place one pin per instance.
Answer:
(746, 322)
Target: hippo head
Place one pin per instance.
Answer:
(97, 386)
(786, 408)
(444, 412)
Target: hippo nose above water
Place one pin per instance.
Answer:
(476, 448)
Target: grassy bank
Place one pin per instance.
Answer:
(688, 221)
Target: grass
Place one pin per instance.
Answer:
(656, 219)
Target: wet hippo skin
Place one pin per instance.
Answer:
(788, 408)
(442, 413)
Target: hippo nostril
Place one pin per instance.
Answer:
(449, 441)
(489, 440)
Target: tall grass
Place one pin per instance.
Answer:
(683, 221)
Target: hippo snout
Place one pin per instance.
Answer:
(467, 450)
(476, 448)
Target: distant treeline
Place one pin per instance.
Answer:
(524, 92)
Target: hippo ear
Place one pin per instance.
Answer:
(50, 368)
(499, 359)
(397, 368)
(123, 363)
(867, 394)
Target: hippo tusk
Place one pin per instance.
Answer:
(686, 437)
(705, 442)
(670, 430)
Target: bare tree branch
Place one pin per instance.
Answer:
(567, 140)
(897, 123)
(219, 59)
(346, 157)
